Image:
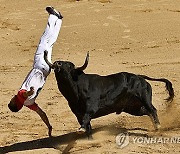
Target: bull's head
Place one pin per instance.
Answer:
(65, 65)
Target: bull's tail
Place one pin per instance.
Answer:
(168, 86)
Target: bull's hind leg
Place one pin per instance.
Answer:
(152, 115)
(152, 112)
(154, 118)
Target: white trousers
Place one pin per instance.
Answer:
(47, 40)
(37, 76)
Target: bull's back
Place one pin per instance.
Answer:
(115, 92)
(102, 90)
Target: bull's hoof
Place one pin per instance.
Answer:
(157, 127)
(90, 137)
(81, 130)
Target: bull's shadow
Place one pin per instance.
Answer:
(66, 139)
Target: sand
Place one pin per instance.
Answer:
(138, 36)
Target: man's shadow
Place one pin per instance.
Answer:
(49, 142)
(67, 139)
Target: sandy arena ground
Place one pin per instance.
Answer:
(139, 36)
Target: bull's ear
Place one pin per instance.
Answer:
(74, 74)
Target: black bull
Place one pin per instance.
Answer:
(90, 95)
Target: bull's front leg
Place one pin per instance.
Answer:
(89, 131)
(85, 126)
(91, 108)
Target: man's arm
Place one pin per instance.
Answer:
(45, 119)
(39, 111)
(28, 93)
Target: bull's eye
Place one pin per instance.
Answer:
(59, 64)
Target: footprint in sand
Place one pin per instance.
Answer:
(127, 36)
(127, 31)
(116, 18)
(106, 24)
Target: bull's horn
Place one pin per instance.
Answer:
(46, 60)
(85, 63)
